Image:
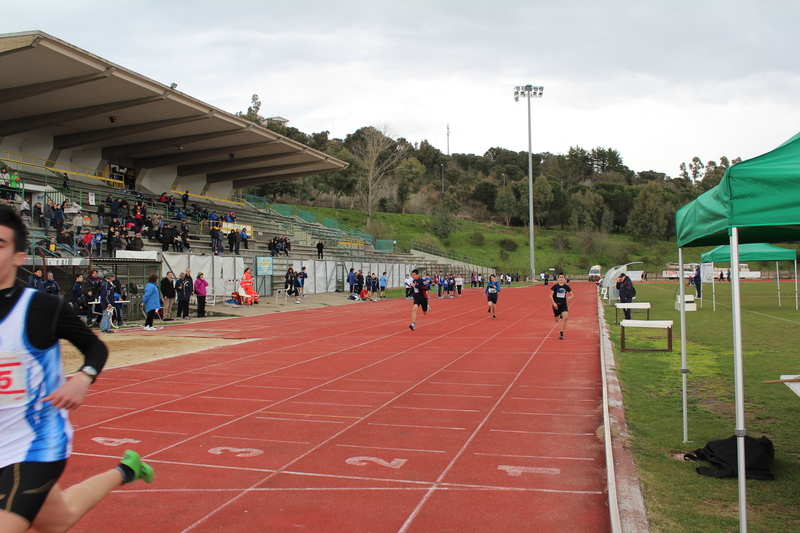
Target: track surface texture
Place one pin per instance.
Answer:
(344, 420)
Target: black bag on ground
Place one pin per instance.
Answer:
(758, 457)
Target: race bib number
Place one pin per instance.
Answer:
(13, 380)
(492, 290)
(416, 290)
(561, 294)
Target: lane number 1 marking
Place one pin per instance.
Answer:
(105, 441)
(362, 461)
(516, 471)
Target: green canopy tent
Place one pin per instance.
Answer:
(753, 252)
(755, 202)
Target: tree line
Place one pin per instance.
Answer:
(581, 190)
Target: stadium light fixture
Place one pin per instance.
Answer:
(529, 91)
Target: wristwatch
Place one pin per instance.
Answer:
(90, 371)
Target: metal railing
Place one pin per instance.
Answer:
(208, 196)
(43, 167)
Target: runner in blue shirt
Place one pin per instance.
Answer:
(383, 281)
(491, 292)
(559, 298)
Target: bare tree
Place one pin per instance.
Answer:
(377, 154)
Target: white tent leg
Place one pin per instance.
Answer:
(684, 370)
(713, 289)
(778, 278)
(795, 286)
(740, 431)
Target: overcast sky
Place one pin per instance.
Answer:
(660, 82)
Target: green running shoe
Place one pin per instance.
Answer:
(141, 470)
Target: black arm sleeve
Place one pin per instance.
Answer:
(50, 319)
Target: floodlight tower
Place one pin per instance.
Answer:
(529, 91)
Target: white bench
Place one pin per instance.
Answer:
(631, 305)
(656, 324)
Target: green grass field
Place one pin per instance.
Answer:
(678, 499)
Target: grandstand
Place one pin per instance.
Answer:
(77, 128)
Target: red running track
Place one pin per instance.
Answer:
(344, 420)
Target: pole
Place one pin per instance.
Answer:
(778, 279)
(442, 165)
(684, 370)
(530, 186)
(740, 431)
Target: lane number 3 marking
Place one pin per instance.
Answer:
(240, 452)
(362, 461)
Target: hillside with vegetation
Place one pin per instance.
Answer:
(589, 207)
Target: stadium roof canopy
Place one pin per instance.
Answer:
(80, 107)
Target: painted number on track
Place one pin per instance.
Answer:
(362, 461)
(114, 442)
(516, 471)
(240, 452)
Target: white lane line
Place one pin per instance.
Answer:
(450, 395)
(535, 456)
(260, 440)
(107, 407)
(378, 380)
(465, 384)
(237, 399)
(553, 399)
(147, 393)
(301, 420)
(361, 391)
(266, 387)
(199, 383)
(189, 413)
(412, 426)
(144, 430)
(334, 404)
(537, 432)
(437, 409)
(368, 447)
(445, 487)
(543, 414)
(551, 387)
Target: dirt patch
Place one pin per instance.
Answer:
(127, 350)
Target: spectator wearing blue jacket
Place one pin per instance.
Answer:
(35, 280)
(151, 302)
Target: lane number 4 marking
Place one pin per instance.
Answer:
(516, 471)
(105, 441)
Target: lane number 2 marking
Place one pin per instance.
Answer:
(240, 452)
(362, 461)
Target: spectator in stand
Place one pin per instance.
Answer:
(35, 280)
(47, 215)
(212, 218)
(101, 216)
(185, 199)
(63, 238)
(168, 293)
(233, 242)
(5, 177)
(124, 212)
(37, 214)
(244, 237)
(136, 244)
(272, 246)
(320, 250)
(98, 243)
(167, 237)
(51, 285)
(200, 289)
(25, 208)
(87, 242)
(77, 222)
(58, 217)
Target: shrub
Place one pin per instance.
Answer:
(477, 238)
(508, 245)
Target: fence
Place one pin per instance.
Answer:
(448, 255)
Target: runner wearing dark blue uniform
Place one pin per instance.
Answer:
(559, 297)
(419, 291)
(491, 292)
